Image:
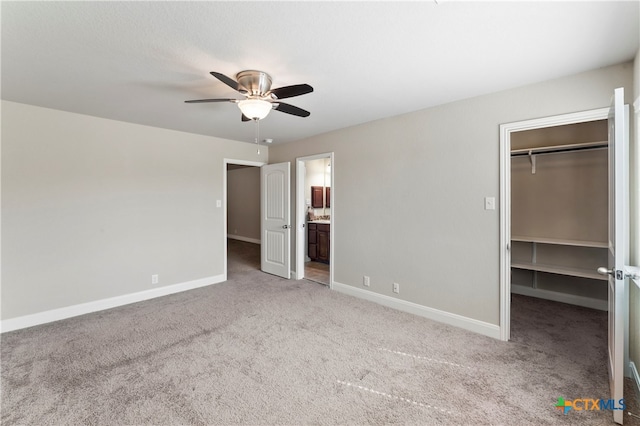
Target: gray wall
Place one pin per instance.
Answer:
(243, 203)
(409, 191)
(91, 208)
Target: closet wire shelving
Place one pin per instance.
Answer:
(533, 265)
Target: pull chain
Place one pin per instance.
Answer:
(257, 134)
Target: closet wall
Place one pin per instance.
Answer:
(243, 203)
(559, 214)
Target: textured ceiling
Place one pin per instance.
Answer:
(138, 61)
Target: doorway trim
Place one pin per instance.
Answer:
(225, 162)
(505, 197)
(301, 213)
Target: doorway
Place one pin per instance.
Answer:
(314, 218)
(241, 202)
(535, 254)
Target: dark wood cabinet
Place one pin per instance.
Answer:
(313, 251)
(327, 197)
(312, 241)
(317, 197)
(318, 241)
(323, 246)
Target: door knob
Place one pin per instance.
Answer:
(604, 271)
(619, 274)
(285, 226)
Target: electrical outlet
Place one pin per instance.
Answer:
(154, 279)
(396, 288)
(366, 281)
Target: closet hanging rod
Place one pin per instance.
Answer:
(559, 148)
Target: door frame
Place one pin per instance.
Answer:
(301, 214)
(225, 162)
(505, 197)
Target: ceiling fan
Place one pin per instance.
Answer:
(260, 98)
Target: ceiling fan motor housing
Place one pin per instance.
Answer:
(253, 83)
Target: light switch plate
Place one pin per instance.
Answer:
(489, 203)
(218, 203)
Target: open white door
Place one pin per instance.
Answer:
(618, 248)
(274, 217)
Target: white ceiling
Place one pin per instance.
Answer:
(138, 61)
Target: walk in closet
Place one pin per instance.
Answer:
(559, 213)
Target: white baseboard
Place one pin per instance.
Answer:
(99, 305)
(635, 376)
(456, 320)
(572, 299)
(241, 238)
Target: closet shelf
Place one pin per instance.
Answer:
(562, 270)
(560, 241)
(559, 148)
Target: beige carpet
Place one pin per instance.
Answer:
(261, 350)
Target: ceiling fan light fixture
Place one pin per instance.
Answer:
(255, 109)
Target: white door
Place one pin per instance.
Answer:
(274, 218)
(618, 247)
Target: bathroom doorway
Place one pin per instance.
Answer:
(315, 219)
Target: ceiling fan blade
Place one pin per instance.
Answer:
(291, 91)
(245, 118)
(293, 110)
(228, 81)
(210, 100)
